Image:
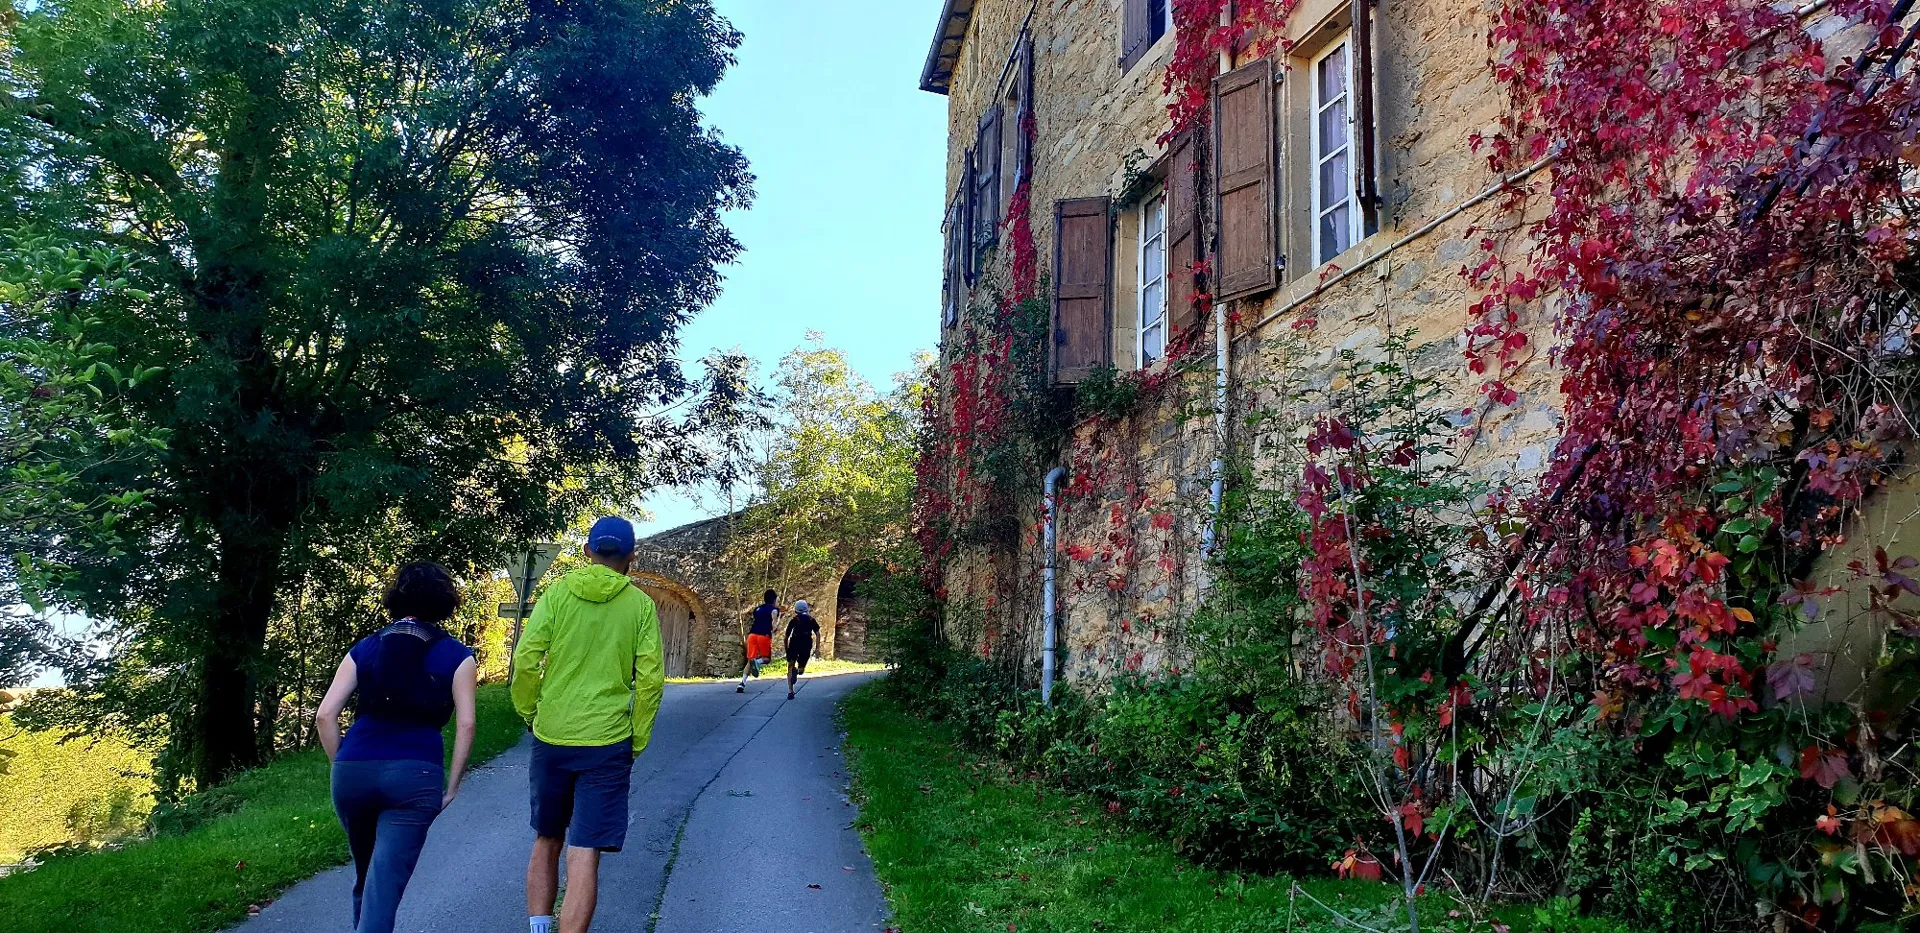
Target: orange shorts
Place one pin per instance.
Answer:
(759, 647)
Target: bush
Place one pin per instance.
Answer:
(1236, 780)
(56, 792)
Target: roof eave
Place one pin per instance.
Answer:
(948, 36)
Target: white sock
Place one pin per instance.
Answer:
(540, 924)
(743, 675)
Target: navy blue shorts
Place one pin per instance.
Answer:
(580, 792)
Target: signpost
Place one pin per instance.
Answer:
(526, 569)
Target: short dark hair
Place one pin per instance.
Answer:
(424, 592)
(769, 598)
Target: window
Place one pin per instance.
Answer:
(985, 203)
(1336, 212)
(1153, 280)
(1016, 105)
(1159, 19)
(1143, 23)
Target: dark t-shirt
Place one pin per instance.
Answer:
(800, 634)
(405, 735)
(763, 620)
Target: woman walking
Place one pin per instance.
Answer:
(388, 773)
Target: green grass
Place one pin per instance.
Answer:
(249, 839)
(962, 848)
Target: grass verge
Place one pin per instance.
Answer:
(234, 846)
(963, 848)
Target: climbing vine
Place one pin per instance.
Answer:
(1592, 681)
(1721, 250)
(1200, 38)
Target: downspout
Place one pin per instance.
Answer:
(1050, 534)
(1217, 490)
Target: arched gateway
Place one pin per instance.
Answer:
(682, 621)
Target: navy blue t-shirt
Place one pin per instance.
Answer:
(376, 738)
(763, 620)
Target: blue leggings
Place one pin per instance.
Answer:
(386, 808)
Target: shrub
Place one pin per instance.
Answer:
(1237, 780)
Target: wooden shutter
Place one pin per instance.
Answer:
(970, 219)
(1243, 179)
(956, 274)
(1184, 242)
(1023, 120)
(987, 197)
(1136, 33)
(1363, 106)
(1083, 273)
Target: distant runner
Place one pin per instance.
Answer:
(800, 634)
(760, 637)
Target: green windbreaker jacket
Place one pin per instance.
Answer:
(604, 670)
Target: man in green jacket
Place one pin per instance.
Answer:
(591, 706)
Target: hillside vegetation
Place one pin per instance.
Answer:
(217, 854)
(53, 791)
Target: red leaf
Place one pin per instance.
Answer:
(1823, 766)
(1412, 818)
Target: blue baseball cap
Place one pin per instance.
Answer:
(611, 537)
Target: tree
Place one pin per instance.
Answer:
(835, 476)
(59, 406)
(409, 265)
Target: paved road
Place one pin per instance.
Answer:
(739, 809)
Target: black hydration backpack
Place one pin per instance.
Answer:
(395, 684)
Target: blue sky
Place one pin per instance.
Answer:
(844, 237)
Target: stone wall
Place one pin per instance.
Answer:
(685, 564)
(1129, 553)
(850, 631)
(1093, 123)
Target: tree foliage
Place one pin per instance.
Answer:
(835, 477)
(60, 417)
(415, 273)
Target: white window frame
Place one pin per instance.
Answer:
(1355, 220)
(1149, 242)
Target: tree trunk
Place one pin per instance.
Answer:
(253, 537)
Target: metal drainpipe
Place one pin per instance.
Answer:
(1219, 488)
(1050, 535)
(1217, 491)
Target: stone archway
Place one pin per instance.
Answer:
(850, 613)
(683, 622)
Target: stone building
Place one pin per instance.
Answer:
(1325, 198)
(704, 606)
(1325, 195)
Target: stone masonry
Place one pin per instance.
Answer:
(683, 567)
(1097, 125)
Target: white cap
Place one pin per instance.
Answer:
(801, 606)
